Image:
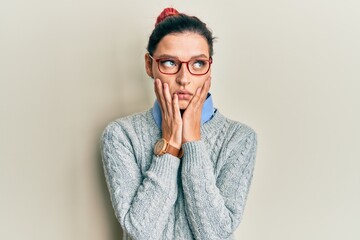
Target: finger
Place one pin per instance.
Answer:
(205, 89)
(168, 100)
(160, 94)
(176, 108)
(209, 83)
(195, 100)
(156, 91)
(201, 94)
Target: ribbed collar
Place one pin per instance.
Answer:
(207, 113)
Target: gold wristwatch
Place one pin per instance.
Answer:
(162, 146)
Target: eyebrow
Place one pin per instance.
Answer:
(170, 56)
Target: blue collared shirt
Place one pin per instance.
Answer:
(207, 113)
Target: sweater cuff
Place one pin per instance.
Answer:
(165, 166)
(195, 155)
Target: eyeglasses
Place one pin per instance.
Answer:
(170, 66)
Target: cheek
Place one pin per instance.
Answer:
(170, 80)
(154, 70)
(201, 81)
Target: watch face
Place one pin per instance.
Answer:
(160, 146)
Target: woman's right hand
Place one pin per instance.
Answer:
(170, 112)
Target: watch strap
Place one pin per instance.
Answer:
(172, 150)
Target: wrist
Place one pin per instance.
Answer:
(173, 140)
(175, 144)
(191, 138)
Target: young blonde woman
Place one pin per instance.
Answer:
(180, 170)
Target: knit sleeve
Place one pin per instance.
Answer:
(215, 205)
(142, 204)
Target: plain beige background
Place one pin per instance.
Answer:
(289, 69)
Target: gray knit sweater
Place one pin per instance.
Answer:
(201, 196)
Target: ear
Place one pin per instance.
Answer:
(148, 65)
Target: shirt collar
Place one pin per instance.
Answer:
(206, 114)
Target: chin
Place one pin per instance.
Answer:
(183, 106)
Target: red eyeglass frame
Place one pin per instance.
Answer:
(157, 60)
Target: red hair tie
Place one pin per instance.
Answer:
(167, 12)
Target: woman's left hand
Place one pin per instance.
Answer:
(192, 115)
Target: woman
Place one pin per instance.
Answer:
(180, 170)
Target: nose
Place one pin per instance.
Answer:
(183, 76)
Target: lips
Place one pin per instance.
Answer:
(184, 95)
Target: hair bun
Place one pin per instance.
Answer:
(167, 12)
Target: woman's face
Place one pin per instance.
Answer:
(182, 47)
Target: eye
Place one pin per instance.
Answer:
(168, 63)
(197, 64)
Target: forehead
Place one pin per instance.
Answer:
(182, 45)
